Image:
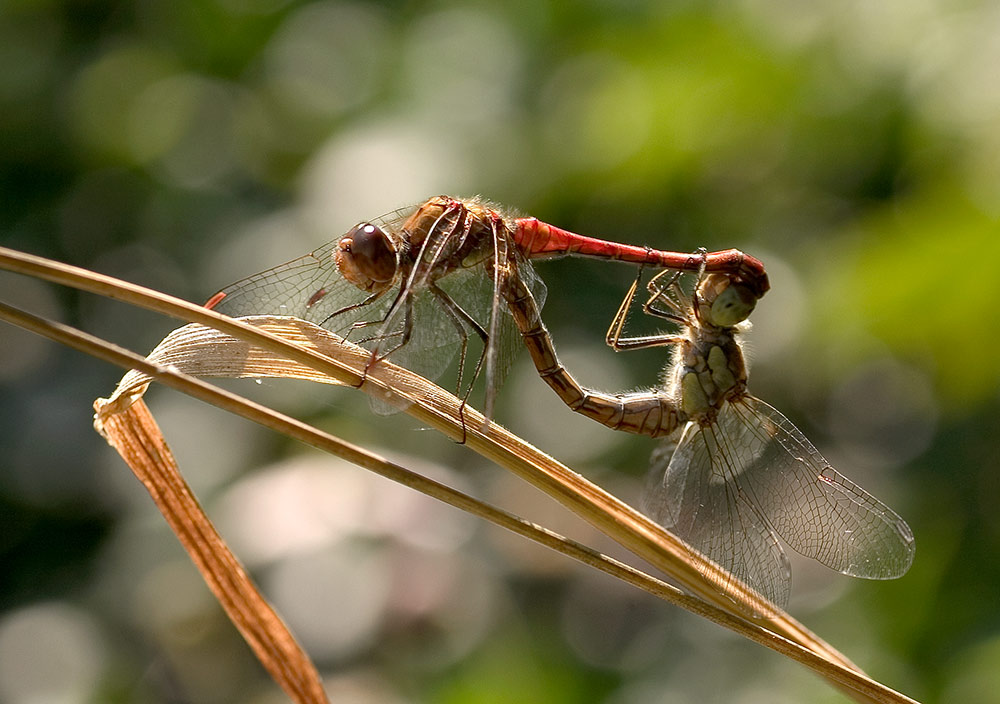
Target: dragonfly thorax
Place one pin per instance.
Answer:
(464, 233)
(709, 370)
(366, 256)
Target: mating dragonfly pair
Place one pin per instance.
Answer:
(733, 475)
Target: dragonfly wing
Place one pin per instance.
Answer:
(310, 287)
(816, 510)
(505, 339)
(700, 499)
(433, 343)
(437, 332)
(473, 289)
(434, 338)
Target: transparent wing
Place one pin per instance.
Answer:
(489, 306)
(815, 509)
(730, 488)
(508, 335)
(312, 288)
(471, 286)
(700, 500)
(309, 287)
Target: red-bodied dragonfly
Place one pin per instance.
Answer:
(734, 474)
(420, 282)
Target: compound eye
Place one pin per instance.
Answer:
(732, 306)
(366, 256)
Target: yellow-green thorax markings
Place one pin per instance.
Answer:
(709, 367)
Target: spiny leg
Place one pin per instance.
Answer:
(503, 268)
(443, 231)
(359, 324)
(354, 306)
(402, 301)
(460, 318)
(677, 306)
(666, 300)
(614, 336)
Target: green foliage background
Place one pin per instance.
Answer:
(854, 147)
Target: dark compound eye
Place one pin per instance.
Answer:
(366, 256)
(732, 306)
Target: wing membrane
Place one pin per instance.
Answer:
(312, 288)
(309, 287)
(700, 501)
(730, 488)
(815, 509)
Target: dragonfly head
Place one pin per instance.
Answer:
(366, 256)
(723, 302)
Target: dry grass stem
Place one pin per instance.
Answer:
(237, 350)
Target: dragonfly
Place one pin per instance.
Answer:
(733, 474)
(419, 283)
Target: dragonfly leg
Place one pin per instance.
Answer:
(403, 334)
(660, 292)
(614, 337)
(354, 306)
(644, 413)
(657, 286)
(504, 265)
(377, 355)
(358, 325)
(665, 301)
(462, 320)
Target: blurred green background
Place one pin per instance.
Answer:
(854, 147)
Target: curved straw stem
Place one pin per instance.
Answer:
(434, 406)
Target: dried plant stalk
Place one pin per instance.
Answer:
(858, 686)
(136, 437)
(434, 406)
